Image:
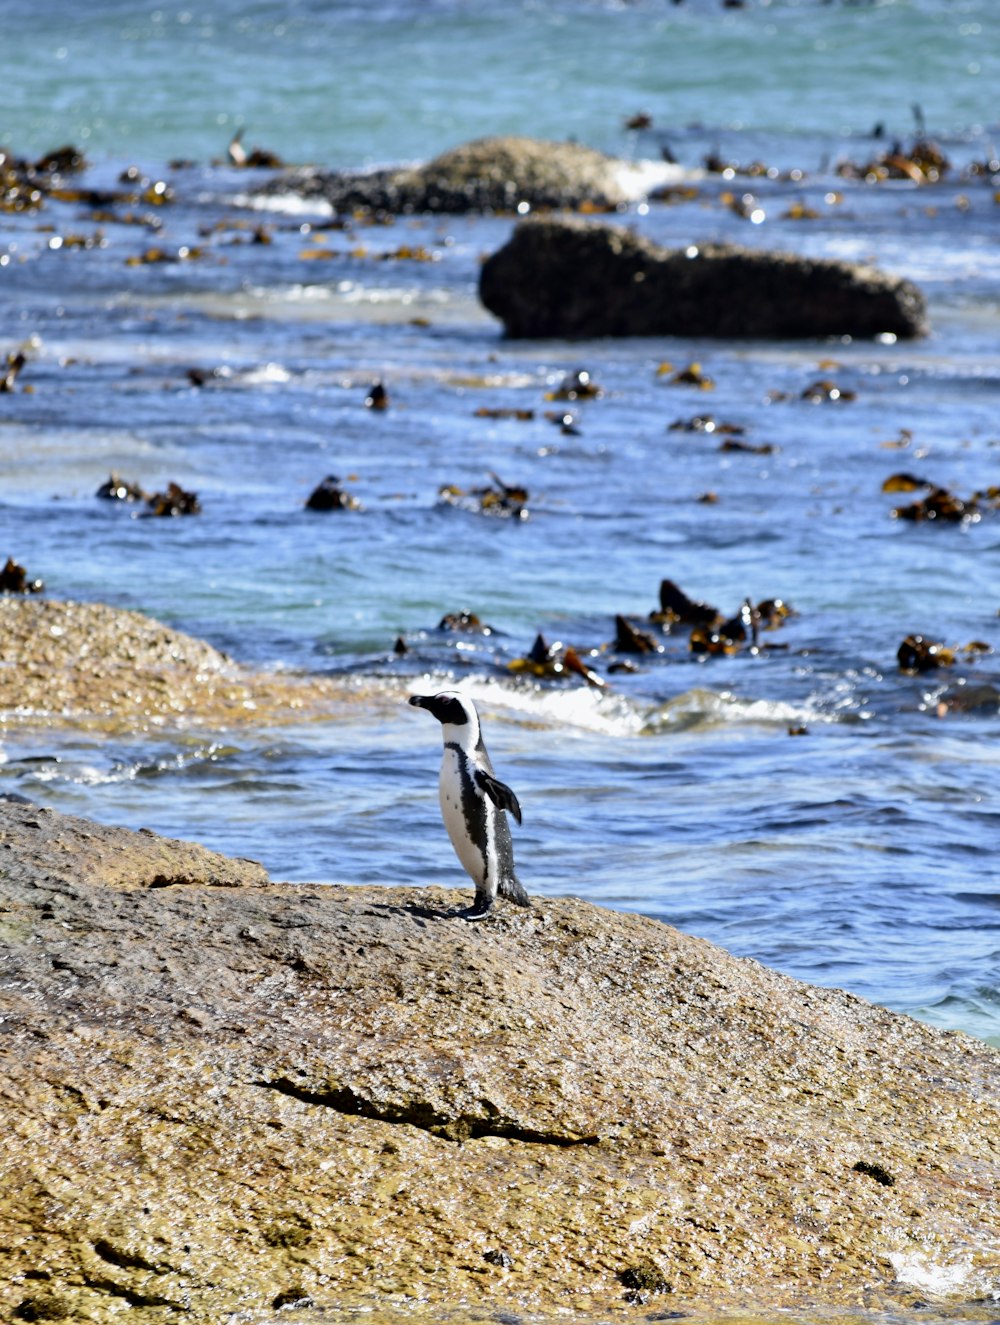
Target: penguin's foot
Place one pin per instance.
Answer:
(477, 911)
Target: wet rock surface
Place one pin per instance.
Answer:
(568, 278)
(487, 175)
(222, 1094)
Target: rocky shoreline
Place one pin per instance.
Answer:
(227, 1095)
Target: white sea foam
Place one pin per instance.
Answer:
(919, 1270)
(639, 178)
(610, 714)
(284, 204)
(710, 708)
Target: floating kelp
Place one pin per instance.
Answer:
(918, 654)
(987, 168)
(706, 423)
(734, 444)
(203, 376)
(24, 185)
(330, 496)
(899, 443)
(175, 501)
(14, 579)
(939, 505)
(674, 193)
(800, 211)
(155, 256)
(576, 386)
(773, 613)
(254, 232)
(67, 160)
(825, 389)
(258, 158)
(409, 253)
(465, 623)
(693, 375)
(116, 488)
(904, 483)
(69, 242)
(498, 499)
(377, 397)
(744, 205)
(922, 163)
(565, 421)
(522, 415)
(16, 359)
(727, 637)
(675, 605)
(728, 169)
(711, 633)
(630, 639)
(554, 661)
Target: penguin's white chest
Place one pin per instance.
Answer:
(466, 814)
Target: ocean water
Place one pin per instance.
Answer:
(807, 804)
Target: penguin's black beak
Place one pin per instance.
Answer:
(420, 701)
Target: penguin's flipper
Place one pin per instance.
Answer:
(499, 793)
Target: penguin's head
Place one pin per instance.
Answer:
(450, 708)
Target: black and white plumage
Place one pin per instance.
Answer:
(474, 803)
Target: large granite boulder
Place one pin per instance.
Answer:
(223, 1096)
(487, 175)
(574, 279)
(90, 665)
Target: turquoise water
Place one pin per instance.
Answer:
(860, 854)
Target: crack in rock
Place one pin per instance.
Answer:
(417, 1113)
(126, 1260)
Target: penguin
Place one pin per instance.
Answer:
(474, 804)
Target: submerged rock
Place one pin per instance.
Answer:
(487, 175)
(222, 1095)
(574, 279)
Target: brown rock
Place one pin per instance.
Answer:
(487, 175)
(574, 279)
(231, 1099)
(92, 666)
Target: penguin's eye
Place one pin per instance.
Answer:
(455, 713)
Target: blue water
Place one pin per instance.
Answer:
(861, 853)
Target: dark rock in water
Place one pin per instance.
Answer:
(572, 279)
(488, 175)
